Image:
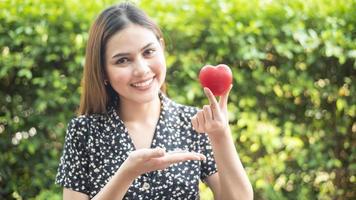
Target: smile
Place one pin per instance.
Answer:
(143, 84)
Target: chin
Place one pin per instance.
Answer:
(148, 97)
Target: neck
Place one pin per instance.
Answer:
(139, 112)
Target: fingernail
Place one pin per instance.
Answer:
(160, 150)
(203, 158)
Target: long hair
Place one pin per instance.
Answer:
(96, 96)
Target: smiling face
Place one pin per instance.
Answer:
(135, 64)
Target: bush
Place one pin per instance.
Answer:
(292, 108)
(42, 47)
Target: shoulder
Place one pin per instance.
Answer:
(186, 109)
(173, 107)
(80, 126)
(87, 120)
(80, 122)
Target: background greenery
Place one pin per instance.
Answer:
(292, 107)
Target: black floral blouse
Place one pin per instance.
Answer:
(96, 146)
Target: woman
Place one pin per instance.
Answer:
(132, 142)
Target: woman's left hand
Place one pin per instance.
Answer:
(213, 118)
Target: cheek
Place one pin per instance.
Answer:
(118, 76)
(160, 65)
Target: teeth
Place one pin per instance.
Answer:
(143, 84)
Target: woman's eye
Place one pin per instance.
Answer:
(149, 52)
(121, 61)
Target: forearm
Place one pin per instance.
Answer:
(234, 183)
(118, 185)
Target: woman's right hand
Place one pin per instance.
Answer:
(146, 160)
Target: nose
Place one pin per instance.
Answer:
(141, 67)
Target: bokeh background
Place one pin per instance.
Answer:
(292, 107)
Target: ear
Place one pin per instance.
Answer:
(105, 78)
(161, 41)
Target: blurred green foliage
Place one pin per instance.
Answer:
(292, 107)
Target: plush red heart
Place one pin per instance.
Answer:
(217, 78)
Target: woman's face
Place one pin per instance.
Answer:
(135, 64)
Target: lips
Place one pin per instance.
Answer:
(143, 84)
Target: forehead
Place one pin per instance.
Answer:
(130, 38)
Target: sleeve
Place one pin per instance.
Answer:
(208, 167)
(73, 167)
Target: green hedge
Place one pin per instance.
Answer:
(292, 107)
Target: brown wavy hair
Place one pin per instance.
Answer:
(95, 95)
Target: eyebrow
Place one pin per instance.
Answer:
(126, 54)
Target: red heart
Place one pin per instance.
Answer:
(217, 78)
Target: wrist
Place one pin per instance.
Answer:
(127, 170)
(220, 137)
(222, 133)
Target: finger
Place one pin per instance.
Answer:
(201, 156)
(201, 121)
(152, 153)
(224, 98)
(177, 150)
(207, 113)
(212, 100)
(182, 156)
(210, 95)
(196, 126)
(195, 123)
